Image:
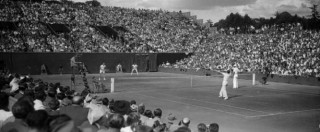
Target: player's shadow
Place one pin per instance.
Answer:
(234, 96)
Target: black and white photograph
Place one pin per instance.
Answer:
(159, 65)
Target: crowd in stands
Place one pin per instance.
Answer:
(32, 105)
(164, 33)
(285, 50)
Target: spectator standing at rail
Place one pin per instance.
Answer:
(60, 69)
(44, 69)
(134, 68)
(74, 64)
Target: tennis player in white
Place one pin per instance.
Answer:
(235, 76)
(134, 68)
(223, 91)
(102, 71)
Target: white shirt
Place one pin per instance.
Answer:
(225, 78)
(73, 61)
(236, 70)
(38, 105)
(126, 129)
(14, 85)
(4, 115)
(134, 66)
(102, 67)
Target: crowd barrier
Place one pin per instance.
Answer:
(313, 81)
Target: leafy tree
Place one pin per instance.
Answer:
(210, 22)
(314, 12)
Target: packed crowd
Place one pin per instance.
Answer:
(164, 33)
(49, 107)
(284, 51)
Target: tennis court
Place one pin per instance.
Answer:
(276, 107)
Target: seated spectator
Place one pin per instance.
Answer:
(68, 100)
(38, 121)
(159, 127)
(141, 110)
(115, 123)
(133, 106)
(29, 93)
(213, 127)
(105, 105)
(149, 115)
(14, 84)
(121, 107)
(53, 107)
(96, 118)
(143, 128)
(38, 102)
(4, 110)
(171, 123)
(185, 122)
(60, 97)
(20, 92)
(75, 110)
(132, 121)
(20, 111)
(183, 129)
(202, 127)
(62, 123)
(51, 95)
(27, 99)
(157, 113)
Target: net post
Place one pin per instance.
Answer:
(253, 79)
(112, 85)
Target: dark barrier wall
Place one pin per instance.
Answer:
(271, 78)
(170, 57)
(30, 63)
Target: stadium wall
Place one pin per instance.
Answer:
(313, 81)
(170, 57)
(30, 63)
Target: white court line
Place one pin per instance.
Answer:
(231, 113)
(128, 78)
(217, 104)
(283, 113)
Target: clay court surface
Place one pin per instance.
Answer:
(276, 107)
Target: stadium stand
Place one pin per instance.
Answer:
(50, 26)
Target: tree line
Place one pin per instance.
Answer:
(243, 24)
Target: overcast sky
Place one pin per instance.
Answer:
(219, 9)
